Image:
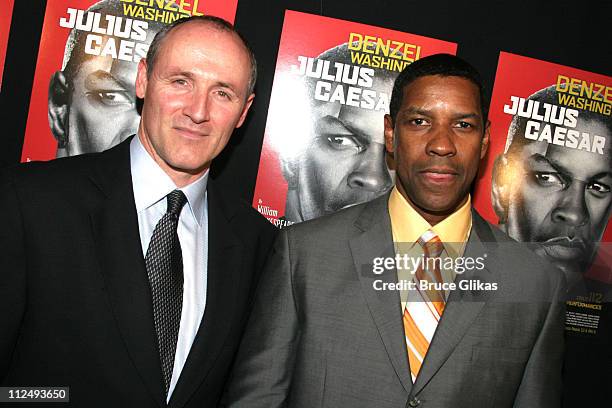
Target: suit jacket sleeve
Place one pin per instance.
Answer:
(264, 365)
(541, 385)
(13, 272)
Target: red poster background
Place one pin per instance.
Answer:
(39, 143)
(5, 26)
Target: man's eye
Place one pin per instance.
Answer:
(464, 125)
(418, 121)
(180, 82)
(111, 98)
(548, 179)
(598, 187)
(224, 94)
(344, 142)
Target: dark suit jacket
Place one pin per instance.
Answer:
(320, 335)
(75, 303)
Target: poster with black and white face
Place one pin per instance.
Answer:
(548, 178)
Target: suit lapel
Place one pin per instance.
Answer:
(115, 230)
(374, 240)
(463, 306)
(223, 287)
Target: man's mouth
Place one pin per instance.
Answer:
(564, 248)
(439, 175)
(190, 133)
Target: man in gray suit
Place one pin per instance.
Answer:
(328, 329)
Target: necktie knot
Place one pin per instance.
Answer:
(176, 200)
(431, 243)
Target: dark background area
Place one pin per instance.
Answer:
(573, 33)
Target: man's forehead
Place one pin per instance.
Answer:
(210, 36)
(368, 123)
(576, 163)
(195, 44)
(97, 69)
(432, 90)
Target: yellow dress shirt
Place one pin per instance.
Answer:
(407, 226)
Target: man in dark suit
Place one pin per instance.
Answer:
(336, 322)
(127, 275)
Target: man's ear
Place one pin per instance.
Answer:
(500, 187)
(289, 167)
(141, 79)
(389, 136)
(484, 144)
(58, 107)
(245, 110)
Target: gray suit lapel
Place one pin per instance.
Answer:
(463, 306)
(373, 239)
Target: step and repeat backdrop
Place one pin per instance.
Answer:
(314, 141)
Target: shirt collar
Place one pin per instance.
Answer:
(408, 225)
(151, 184)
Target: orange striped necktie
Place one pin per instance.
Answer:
(421, 316)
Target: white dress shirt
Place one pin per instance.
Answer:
(151, 186)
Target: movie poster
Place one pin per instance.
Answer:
(6, 12)
(323, 147)
(83, 97)
(548, 176)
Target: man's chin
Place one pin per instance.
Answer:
(572, 269)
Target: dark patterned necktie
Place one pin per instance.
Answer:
(164, 263)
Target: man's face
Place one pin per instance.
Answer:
(344, 163)
(563, 200)
(194, 97)
(102, 110)
(437, 141)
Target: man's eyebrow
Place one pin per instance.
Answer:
(537, 157)
(330, 120)
(100, 78)
(190, 75)
(467, 116)
(424, 112)
(228, 86)
(413, 110)
(338, 123)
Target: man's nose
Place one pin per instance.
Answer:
(371, 173)
(572, 209)
(441, 142)
(197, 107)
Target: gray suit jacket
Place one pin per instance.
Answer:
(321, 336)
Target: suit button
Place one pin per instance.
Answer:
(414, 402)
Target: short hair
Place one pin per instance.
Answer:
(516, 131)
(215, 22)
(444, 65)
